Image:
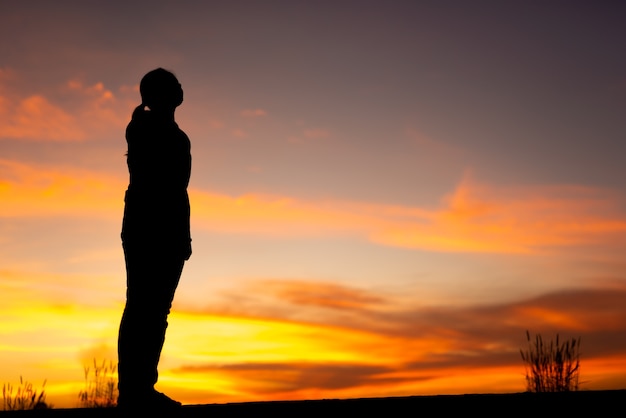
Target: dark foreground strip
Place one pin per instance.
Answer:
(573, 404)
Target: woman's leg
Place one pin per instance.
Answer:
(152, 278)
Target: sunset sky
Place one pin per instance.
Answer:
(385, 194)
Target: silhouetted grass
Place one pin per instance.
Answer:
(553, 367)
(23, 397)
(100, 385)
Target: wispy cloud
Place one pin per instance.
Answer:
(585, 311)
(315, 293)
(391, 347)
(24, 287)
(396, 348)
(473, 218)
(481, 218)
(289, 380)
(100, 107)
(35, 118)
(72, 112)
(28, 190)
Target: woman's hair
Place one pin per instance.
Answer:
(160, 88)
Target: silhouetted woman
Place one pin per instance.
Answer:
(155, 236)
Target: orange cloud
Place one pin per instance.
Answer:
(474, 218)
(271, 215)
(239, 358)
(23, 290)
(47, 192)
(478, 218)
(73, 113)
(315, 293)
(394, 349)
(419, 351)
(595, 314)
(101, 109)
(35, 118)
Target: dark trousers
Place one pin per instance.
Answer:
(151, 280)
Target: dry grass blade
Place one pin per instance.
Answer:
(551, 368)
(24, 397)
(100, 385)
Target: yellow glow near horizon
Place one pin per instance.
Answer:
(213, 357)
(215, 338)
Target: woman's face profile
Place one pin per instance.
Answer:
(180, 94)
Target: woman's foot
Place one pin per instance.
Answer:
(151, 400)
(163, 401)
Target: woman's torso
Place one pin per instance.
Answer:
(156, 202)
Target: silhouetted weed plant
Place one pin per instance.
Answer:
(553, 367)
(100, 385)
(23, 397)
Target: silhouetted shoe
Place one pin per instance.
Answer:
(150, 401)
(162, 401)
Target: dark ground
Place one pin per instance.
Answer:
(572, 404)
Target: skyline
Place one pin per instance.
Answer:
(384, 197)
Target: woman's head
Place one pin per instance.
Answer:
(160, 90)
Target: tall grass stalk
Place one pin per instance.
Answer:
(100, 385)
(23, 397)
(553, 367)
